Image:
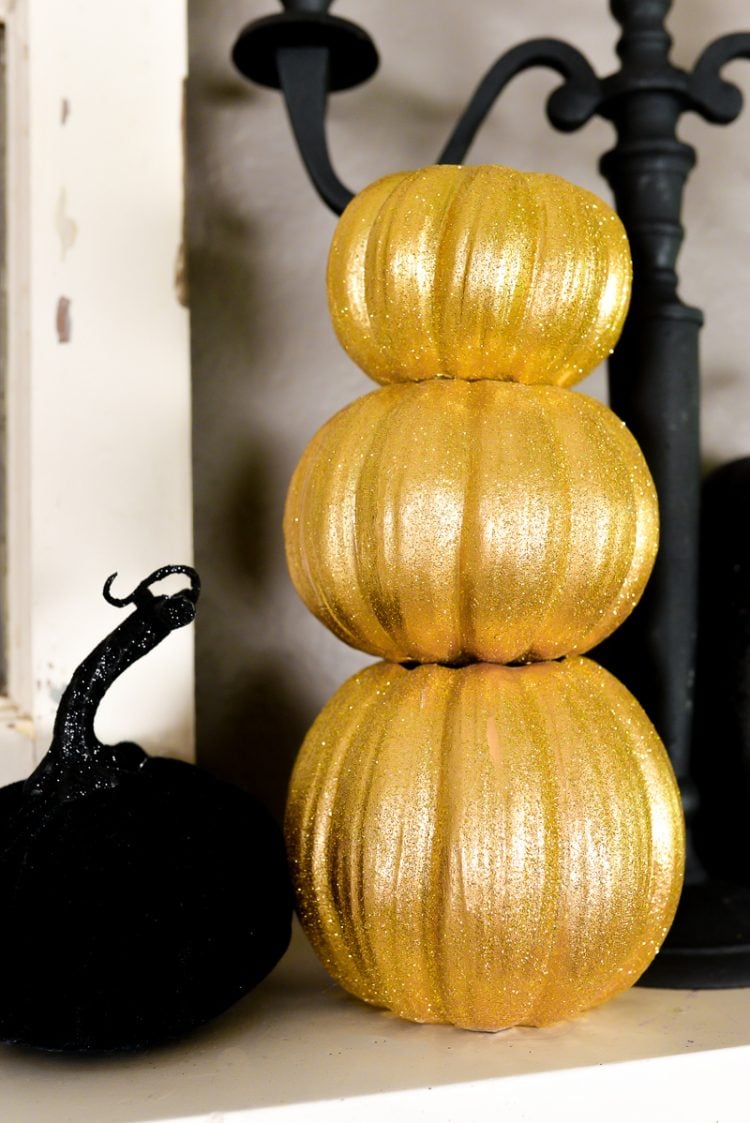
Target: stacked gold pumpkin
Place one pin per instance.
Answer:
(476, 842)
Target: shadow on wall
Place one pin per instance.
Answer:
(257, 735)
(250, 719)
(250, 723)
(250, 731)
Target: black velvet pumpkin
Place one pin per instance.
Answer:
(140, 896)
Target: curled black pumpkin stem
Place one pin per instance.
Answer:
(77, 760)
(142, 592)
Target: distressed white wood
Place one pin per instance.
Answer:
(17, 750)
(99, 423)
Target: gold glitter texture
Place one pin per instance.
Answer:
(450, 522)
(479, 844)
(488, 846)
(478, 272)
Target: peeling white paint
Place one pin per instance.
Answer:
(67, 229)
(63, 320)
(82, 500)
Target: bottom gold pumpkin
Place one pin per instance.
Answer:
(487, 846)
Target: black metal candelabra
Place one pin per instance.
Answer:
(654, 387)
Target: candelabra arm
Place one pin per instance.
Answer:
(570, 105)
(303, 74)
(714, 98)
(308, 53)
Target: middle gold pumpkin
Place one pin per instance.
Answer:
(448, 522)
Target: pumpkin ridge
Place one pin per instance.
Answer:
(434, 934)
(472, 780)
(619, 457)
(643, 903)
(422, 760)
(646, 525)
(567, 210)
(560, 513)
(397, 924)
(447, 317)
(592, 278)
(352, 229)
(438, 308)
(303, 564)
(465, 566)
(605, 704)
(627, 707)
(378, 279)
(622, 454)
(607, 713)
(552, 846)
(613, 817)
(365, 760)
(565, 423)
(580, 273)
(523, 301)
(312, 806)
(377, 605)
(557, 702)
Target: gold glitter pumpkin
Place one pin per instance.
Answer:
(487, 846)
(478, 272)
(447, 522)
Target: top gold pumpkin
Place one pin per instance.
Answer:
(479, 272)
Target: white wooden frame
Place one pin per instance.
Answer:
(98, 384)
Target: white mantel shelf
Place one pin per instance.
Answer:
(299, 1049)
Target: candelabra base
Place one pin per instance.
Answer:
(708, 946)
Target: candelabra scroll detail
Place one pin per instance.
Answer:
(570, 105)
(717, 100)
(308, 54)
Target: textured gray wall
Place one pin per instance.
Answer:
(267, 369)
